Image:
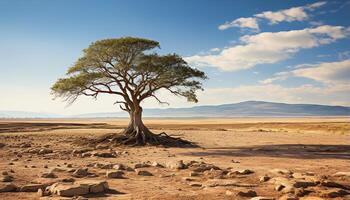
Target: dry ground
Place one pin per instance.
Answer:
(318, 145)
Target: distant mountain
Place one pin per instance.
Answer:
(243, 109)
(23, 114)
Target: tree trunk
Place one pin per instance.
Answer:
(137, 132)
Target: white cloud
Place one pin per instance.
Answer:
(248, 22)
(335, 74)
(330, 72)
(334, 95)
(269, 47)
(274, 17)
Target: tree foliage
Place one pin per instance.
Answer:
(127, 68)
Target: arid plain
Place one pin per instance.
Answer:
(241, 158)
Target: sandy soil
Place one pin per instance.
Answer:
(318, 145)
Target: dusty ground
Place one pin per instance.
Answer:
(317, 145)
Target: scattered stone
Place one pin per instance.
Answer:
(78, 188)
(25, 145)
(42, 193)
(143, 173)
(342, 174)
(7, 187)
(194, 174)
(214, 174)
(104, 154)
(87, 154)
(188, 179)
(262, 198)
(156, 164)
(175, 164)
(44, 151)
(281, 171)
(303, 183)
(104, 165)
(32, 187)
(195, 184)
(141, 165)
(68, 180)
(279, 187)
(202, 167)
(2, 145)
(249, 193)
(327, 183)
(333, 193)
(49, 175)
(244, 172)
(6, 178)
(115, 174)
(288, 197)
(80, 151)
(264, 178)
(4, 173)
(79, 173)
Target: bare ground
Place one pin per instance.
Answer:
(318, 145)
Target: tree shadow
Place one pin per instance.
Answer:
(299, 151)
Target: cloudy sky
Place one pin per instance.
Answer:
(281, 51)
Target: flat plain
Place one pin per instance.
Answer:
(236, 154)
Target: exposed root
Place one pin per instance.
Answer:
(144, 137)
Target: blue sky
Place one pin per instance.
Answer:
(284, 51)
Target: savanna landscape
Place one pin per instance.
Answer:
(89, 112)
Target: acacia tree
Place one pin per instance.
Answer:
(126, 68)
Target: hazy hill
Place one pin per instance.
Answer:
(243, 109)
(247, 108)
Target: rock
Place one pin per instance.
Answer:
(87, 154)
(42, 193)
(175, 164)
(202, 167)
(32, 187)
(68, 180)
(7, 178)
(249, 193)
(194, 174)
(279, 187)
(2, 145)
(69, 190)
(48, 175)
(188, 179)
(7, 187)
(303, 183)
(79, 173)
(244, 171)
(227, 182)
(327, 183)
(104, 154)
(115, 174)
(288, 197)
(143, 173)
(281, 171)
(119, 167)
(195, 184)
(230, 193)
(342, 174)
(104, 165)
(300, 192)
(262, 198)
(95, 186)
(141, 165)
(44, 151)
(156, 164)
(214, 174)
(264, 178)
(333, 193)
(80, 151)
(25, 145)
